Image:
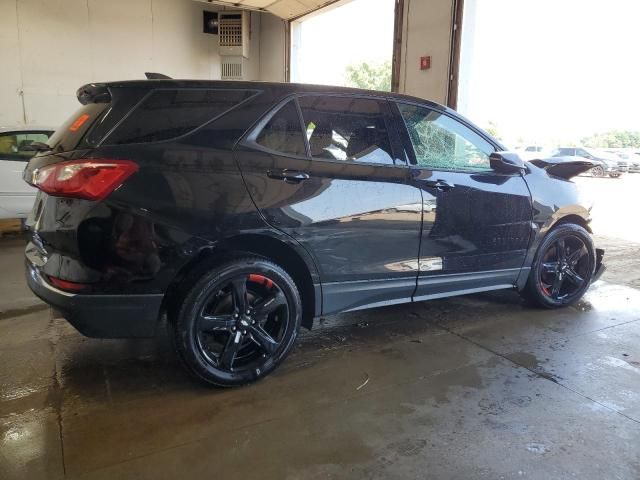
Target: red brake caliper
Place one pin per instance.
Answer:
(260, 279)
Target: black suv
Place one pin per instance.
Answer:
(245, 210)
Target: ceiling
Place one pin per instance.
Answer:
(286, 9)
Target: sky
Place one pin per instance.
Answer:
(361, 30)
(551, 71)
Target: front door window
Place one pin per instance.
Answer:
(442, 143)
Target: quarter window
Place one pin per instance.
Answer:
(15, 145)
(283, 132)
(441, 142)
(167, 114)
(347, 128)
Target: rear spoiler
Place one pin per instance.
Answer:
(93, 93)
(99, 92)
(562, 167)
(156, 76)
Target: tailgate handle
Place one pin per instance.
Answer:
(289, 176)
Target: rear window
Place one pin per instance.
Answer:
(72, 132)
(167, 114)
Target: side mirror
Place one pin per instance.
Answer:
(506, 162)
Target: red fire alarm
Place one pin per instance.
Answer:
(425, 63)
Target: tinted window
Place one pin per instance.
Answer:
(283, 133)
(347, 128)
(14, 145)
(583, 153)
(441, 142)
(166, 114)
(69, 135)
(565, 151)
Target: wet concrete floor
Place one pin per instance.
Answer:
(471, 387)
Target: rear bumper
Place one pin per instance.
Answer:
(100, 316)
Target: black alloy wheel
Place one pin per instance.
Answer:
(597, 171)
(563, 267)
(238, 322)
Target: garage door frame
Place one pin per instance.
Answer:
(454, 51)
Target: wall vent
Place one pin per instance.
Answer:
(234, 33)
(230, 31)
(231, 70)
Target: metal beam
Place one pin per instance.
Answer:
(397, 45)
(454, 56)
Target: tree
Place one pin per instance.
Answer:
(613, 139)
(493, 130)
(372, 76)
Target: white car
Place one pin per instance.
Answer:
(16, 196)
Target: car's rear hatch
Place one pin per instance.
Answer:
(103, 107)
(70, 179)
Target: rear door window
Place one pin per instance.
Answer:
(283, 132)
(347, 128)
(167, 114)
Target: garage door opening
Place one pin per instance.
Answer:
(349, 43)
(557, 79)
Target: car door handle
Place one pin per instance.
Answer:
(289, 176)
(440, 185)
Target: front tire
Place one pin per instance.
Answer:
(597, 171)
(562, 269)
(238, 322)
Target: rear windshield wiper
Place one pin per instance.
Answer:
(37, 147)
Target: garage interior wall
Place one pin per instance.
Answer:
(426, 31)
(49, 48)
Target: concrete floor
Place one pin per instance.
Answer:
(471, 387)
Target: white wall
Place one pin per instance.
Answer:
(49, 48)
(426, 31)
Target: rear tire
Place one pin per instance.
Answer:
(562, 269)
(237, 322)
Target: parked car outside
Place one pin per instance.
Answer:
(245, 210)
(634, 163)
(608, 164)
(629, 156)
(531, 152)
(17, 197)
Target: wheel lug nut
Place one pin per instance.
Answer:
(235, 315)
(244, 332)
(233, 329)
(253, 322)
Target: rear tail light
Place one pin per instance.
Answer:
(66, 284)
(86, 179)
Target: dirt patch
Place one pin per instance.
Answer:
(621, 259)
